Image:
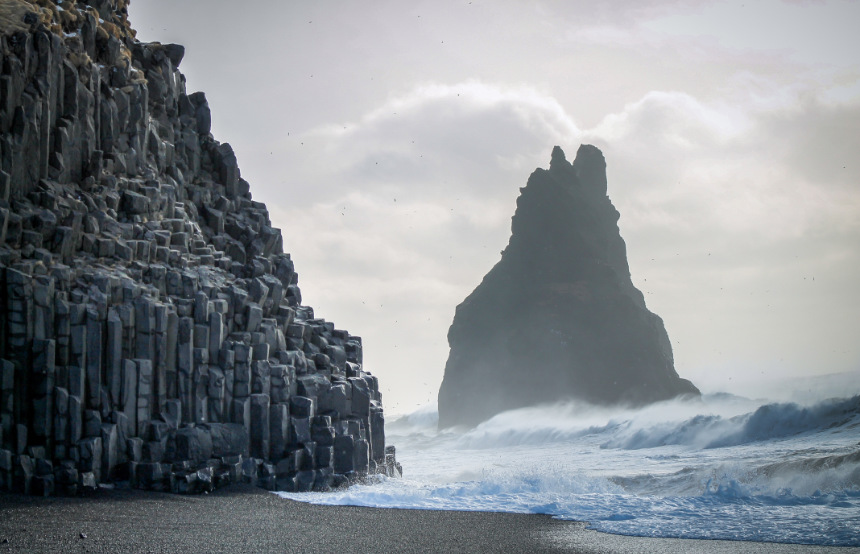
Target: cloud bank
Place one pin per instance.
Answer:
(389, 141)
(726, 208)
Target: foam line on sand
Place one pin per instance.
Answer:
(247, 519)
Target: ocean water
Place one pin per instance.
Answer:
(722, 467)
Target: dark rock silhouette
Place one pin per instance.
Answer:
(152, 330)
(558, 317)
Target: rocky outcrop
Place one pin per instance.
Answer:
(152, 327)
(558, 318)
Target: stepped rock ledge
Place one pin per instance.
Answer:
(152, 330)
(558, 318)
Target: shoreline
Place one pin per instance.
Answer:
(242, 518)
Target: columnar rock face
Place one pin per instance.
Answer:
(152, 328)
(558, 318)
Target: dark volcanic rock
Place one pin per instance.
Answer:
(151, 324)
(558, 317)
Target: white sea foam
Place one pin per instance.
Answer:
(770, 421)
(722, 467)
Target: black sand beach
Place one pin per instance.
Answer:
(247, 519)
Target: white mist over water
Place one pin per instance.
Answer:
(722, 467)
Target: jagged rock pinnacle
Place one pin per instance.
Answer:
(557, 159)
(558, 317)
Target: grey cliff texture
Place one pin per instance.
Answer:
(152, 329)
(558, 317)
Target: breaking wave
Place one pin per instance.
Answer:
(771, 421)
(722, 467)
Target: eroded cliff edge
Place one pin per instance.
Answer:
(152, 327)
(558, 317)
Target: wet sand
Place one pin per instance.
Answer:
(247, 519)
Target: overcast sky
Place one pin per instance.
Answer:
(389, 140)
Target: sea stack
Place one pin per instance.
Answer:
(152, 330)
(558, 318)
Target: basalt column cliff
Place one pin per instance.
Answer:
(151, 328)
(557, 317)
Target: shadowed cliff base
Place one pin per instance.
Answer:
(558, 316)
